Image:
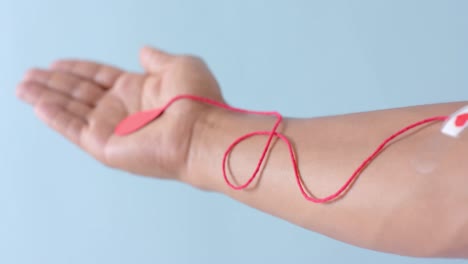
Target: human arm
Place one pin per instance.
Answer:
(396, 205)
(391, 207)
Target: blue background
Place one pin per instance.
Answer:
(303, 58)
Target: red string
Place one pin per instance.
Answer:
(273, 133)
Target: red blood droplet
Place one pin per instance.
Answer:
(136, 121)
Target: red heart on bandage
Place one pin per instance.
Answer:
(461, 120)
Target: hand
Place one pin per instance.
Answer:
(84, 101)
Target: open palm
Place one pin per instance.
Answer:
(84, 101)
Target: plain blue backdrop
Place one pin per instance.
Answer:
(303, 58)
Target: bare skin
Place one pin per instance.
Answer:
(392, 207)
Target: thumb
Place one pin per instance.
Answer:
(153, 60)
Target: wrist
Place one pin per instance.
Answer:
(192, 169)
(205, 152)
(213, 134)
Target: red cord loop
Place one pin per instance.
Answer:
(139, 120)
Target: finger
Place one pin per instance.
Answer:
(154, 60)
(38, 95)
(62, 120)
(101, 74)
(68, 84)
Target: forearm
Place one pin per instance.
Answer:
(391, 207)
